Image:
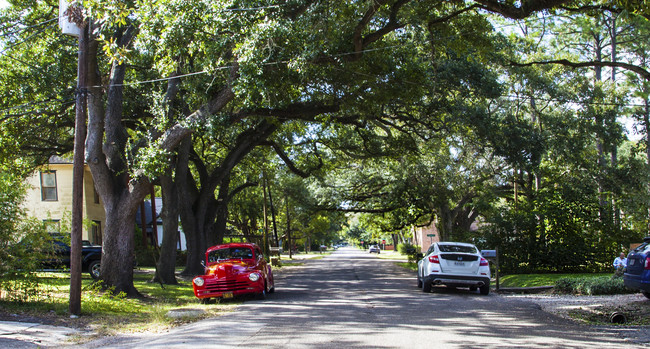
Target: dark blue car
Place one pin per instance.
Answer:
(637, 274)
(91, 255)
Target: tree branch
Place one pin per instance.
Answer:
(360, 42)
(526, 7)
(298, 111)
(452, 15)
(240, 188)
(290, 164)
(631, 67)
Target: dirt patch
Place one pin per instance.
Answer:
(596, 310)
(634, 313)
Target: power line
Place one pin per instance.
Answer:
(254, 8)
(28, 27)
(512, 97)
(25, 40)
(34, 104)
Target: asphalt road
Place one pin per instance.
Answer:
(351, 299)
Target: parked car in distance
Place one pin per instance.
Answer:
(637, 272)
(374, 249)
(91, 255)
(234, 269)
(454, 264)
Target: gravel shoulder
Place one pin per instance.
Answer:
(597, 311)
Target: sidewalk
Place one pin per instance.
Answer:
(14, 334)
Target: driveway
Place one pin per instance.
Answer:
(351, 299)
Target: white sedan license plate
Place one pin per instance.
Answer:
(459, 264)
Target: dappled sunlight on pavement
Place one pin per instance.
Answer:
(352, 300)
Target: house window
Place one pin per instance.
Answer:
(52, 225)
(96, 233)
(48, 186)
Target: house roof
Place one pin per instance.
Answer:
(147, 211)
(55, 159)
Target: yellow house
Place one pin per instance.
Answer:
(50, 198)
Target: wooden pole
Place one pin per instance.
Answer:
(78, 175)
(497, 267)
(289, 229)
(154, 218)
(266, 220)
(275, 228)
(143, 224)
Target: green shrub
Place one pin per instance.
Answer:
(146, 257)
(24, 244)
(409, 250)
(591, 286)
(566, 285)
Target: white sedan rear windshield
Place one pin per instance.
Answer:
(457, 248)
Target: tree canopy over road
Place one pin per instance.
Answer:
(402, 113)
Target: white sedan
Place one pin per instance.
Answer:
(454, 264)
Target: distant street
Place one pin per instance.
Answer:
(355, 300)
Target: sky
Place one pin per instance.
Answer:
(3, 3)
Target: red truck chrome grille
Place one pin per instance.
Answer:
(225, 285)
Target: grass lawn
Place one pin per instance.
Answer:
(532, 280)
(306, 255)
(523, 280)
(409, 265)
(392, 255)
(107, 313)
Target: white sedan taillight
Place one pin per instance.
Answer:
(484, 263)
(434, 259)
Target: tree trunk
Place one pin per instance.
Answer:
(166, 267)
(272, 207)
(444, 223)
(646, 126)
(105, 144)
(118, 243)
(196, 217)
(198, 212)
(187, 190)
(196, 244)
(219, 227)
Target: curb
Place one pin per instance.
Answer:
(537, 289)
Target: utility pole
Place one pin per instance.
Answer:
(289, 228)
(74, 14)
(266, 219)
(275, 228)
